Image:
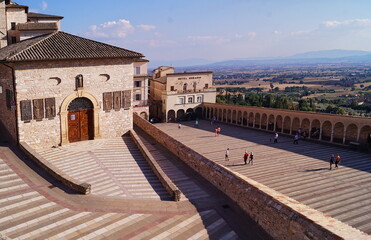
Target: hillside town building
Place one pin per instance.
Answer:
(174, 95)
(140, 88)
(57, 88)
(17, 23)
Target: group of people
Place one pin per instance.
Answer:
(245, 157)
(334, 160)
(217, 131)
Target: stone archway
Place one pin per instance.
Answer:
(351, 133)
(271, 122)
(245, 117)
(287, 125)
(171, 116)
(305, 125)
(365, 133)
(64, 114)
(251, 119)
(326, 131)
(315, 130)
(338, 133)
(180, 114)
(278, 124)
(264, 121)
(295, 125)
(257, 120)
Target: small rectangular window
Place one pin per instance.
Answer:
(199, 99)
(138, 97)
(137, 84)
(206, 85)
(12, 26)
(14, 39)
(172, 88)
(181, 100)
(190, 99)
(137, 70)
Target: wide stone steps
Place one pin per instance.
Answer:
(298, 171)
(113, 167)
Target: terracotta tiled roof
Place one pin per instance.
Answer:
(40, 15)
(61, 46)
(32, 26)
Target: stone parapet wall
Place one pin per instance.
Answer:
(281, 216)
(69, 182)
(170, 187)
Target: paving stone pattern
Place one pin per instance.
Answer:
(300, 171)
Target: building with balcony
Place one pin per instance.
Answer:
(17, 23)
(140, 88)
(176, 96)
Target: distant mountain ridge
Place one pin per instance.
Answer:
(335, 56)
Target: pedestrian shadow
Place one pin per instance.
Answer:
(315, 170)
(234, 165)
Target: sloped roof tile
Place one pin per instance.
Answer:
(62, 46)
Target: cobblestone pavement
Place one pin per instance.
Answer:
(300, 171)
(127, 201)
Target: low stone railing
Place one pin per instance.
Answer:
(281, 217)
(71, 183)
(170, 187)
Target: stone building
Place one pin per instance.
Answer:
(17, 23)
(140, 88)
(59, 88)
(174, 95)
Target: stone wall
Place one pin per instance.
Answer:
(7, 116)
(281, 216)
(56, 79)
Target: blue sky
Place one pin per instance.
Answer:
(216, 29)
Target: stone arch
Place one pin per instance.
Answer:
(206, 112)
(315, 130)
(287, 124)
(305, 125)
(234, 116)
(239, 118)
(224, 115)
(295, 125)
(229, 116)
(279, 123)
(189, 110)
(212, 113)
(326, 131)
(351, 133)
(180, 114)
(171, 116)
(264, 121)
(271, 122)
(257, 120)
(245, 118)
(198, 112)
(64, 113)
(251, 119)
(365, 133)
(338, 133)
(220, 114)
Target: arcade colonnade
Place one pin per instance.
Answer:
(324, 127)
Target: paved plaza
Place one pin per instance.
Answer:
(127, 200)
(300, 171)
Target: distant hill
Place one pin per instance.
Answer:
(178, 63)
(336, 56)
(336, 53)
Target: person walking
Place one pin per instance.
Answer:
(332, 161)
(219, 130)
(296, 139)
(251, 158)
(276, 138)
(245, 156)
(179, 125)
(337, 161)
(227, 154)
(196, 123)
(216, 132)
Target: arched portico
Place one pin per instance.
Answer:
(64, 114)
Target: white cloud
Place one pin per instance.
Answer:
(116, 29)
(112, 29)
(44, 5)
(251, 35)
(350, 22)
(144, 27)
(302, 32)
(212, 39)
(276, 32)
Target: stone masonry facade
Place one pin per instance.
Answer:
(40, 80)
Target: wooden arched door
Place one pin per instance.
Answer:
(80, 120)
